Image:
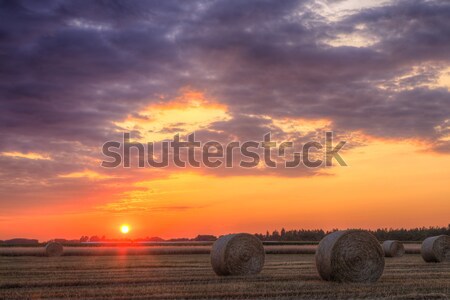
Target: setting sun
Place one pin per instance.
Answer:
(124, 229)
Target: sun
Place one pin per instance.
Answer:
(124, 229)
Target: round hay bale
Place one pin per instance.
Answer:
(54, 249)
(393, 248)
(436, 249)
(237, 254)
(350, 256)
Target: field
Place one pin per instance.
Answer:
(193, 248)
(189, 276)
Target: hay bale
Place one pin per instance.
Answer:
(350, 256)
(393, 248)
(436, 249)
(54, 249)
(237, 254)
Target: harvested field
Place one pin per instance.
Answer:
(191, 277)
(161, 250)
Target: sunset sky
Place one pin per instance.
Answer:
(75, 75)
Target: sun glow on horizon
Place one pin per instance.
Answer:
(124, 229)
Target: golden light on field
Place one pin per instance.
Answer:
(124, 229)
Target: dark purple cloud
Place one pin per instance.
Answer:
(70, 69)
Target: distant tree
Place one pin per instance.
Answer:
(21, 241)
(275, 235)
(94, 238)
(154, 239)
(205, 238)
(84, 238)
(413, 234)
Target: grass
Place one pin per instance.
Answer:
(190, 276)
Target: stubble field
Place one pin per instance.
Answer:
(189, 276)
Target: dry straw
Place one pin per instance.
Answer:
(436, 249)
(350, 256)
(54, 249)
(393, 248)
(237, 254)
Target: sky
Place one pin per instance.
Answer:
(75, 75)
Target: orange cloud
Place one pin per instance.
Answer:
(29, 155)
(86, 174)
(186, 113)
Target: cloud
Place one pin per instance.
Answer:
(71, 72)
(30, 155)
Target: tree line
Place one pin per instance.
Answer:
(402, 234)
(314, 235)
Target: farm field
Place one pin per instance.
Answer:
(189, 276)
(158, 250)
